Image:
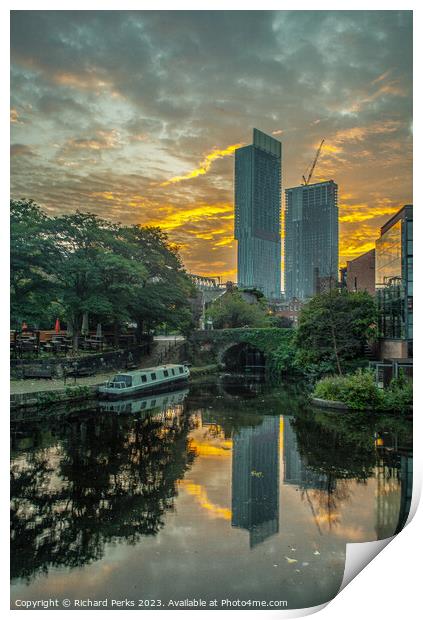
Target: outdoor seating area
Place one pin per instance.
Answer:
(29, 343)
(25, 343)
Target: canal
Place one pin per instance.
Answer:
(231, 489)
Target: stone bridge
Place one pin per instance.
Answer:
(244, 346)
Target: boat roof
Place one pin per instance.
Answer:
(144, 370)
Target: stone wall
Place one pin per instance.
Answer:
(97, 362)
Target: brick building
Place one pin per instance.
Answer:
(361, 273)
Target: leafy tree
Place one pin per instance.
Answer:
(164, 292)
(281, 321)
(74, 264)
(33, 263)
(232, 310)
(333, 328)
(95, 275)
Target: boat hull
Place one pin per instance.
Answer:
(155, 388)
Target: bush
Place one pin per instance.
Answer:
(399, 395)
(359, 391)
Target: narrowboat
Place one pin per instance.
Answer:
(144, 380)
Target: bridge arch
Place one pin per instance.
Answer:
(242, 356)
(274, 344)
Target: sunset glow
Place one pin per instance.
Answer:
(143, 130)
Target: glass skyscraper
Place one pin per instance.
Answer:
(258, 214)
(394, 285)
(311, 238)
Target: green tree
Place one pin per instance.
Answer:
(232, 310)
(97, 275)
(33, 262)
(333, 328)
(74, 264)
(164, 292)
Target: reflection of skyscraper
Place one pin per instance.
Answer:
(394, 475)
(388, 500)
(296, 471)
(406, 475)
(255, 479)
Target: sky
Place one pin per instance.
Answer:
(135, 116)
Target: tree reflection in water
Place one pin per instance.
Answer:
(89, 480)
(106, 478)
(335, 449)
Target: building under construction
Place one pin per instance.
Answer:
(311, 237)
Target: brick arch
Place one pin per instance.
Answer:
(224, 348)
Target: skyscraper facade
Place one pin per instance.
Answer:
(258, 214)
(394, 285)
(311, 238)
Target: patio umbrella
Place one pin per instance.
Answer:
(84, 328)
(57, 326)
(98, 332)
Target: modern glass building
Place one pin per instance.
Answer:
(258, 214)
(394, 285)
(311, 238)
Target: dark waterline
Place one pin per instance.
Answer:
(233, 489)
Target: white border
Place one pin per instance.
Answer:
(389, 586)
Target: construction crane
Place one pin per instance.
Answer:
(306, 181)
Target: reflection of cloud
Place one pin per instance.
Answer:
(208, 449)
(200, 494)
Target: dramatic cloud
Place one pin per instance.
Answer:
(205, 164)
(130, 114)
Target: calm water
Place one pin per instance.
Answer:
(231, 490)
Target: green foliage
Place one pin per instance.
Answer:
(280, 321)
(33, 256)
(359, 391)
(232, 310)
(399, 395)
(74, 264)
(333, 329)
(78, 391)
(276, 344)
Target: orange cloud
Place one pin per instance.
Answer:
(362, 212)
(87, 82)
(14, 116)
(204, 165)
(171, 217)
(102, 140)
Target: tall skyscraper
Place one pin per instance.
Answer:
(311, 237)
(258, 214)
